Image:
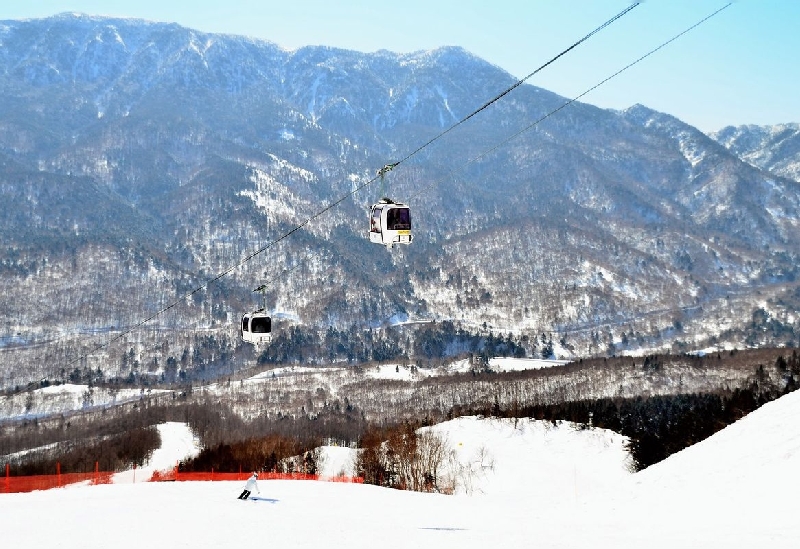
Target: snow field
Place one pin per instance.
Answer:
(536, 485)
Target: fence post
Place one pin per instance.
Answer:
(58, 473)
(134, 473)
(97, 472)
(8, 479)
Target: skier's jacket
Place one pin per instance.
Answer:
(252, 485)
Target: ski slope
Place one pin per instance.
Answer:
(534, 485)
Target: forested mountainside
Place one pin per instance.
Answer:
(773, 148)
(142, 160)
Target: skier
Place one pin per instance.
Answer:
(250, 486)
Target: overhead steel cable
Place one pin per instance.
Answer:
(358, 188)
(519, 83)
(568, 102)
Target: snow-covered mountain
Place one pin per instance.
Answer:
(772, 148)
(140, 160)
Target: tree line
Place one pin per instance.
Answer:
(273, 452)
(435, 341)
(115, 439)
(114, 453)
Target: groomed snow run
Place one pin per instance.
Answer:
(535, 485)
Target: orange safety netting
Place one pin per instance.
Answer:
(13, 485)
(16, 484)
(175, 475)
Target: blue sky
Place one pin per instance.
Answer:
(740, 67)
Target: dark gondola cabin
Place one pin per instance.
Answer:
(390, 223)
(256, 328)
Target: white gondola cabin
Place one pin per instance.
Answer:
(257, 328)
(390, 223)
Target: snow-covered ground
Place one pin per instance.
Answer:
(396, 372)
(535, 485)
(69, 397)
(497, 364)
(500, 364)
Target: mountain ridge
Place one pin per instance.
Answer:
(775, 148)
(598, 227)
